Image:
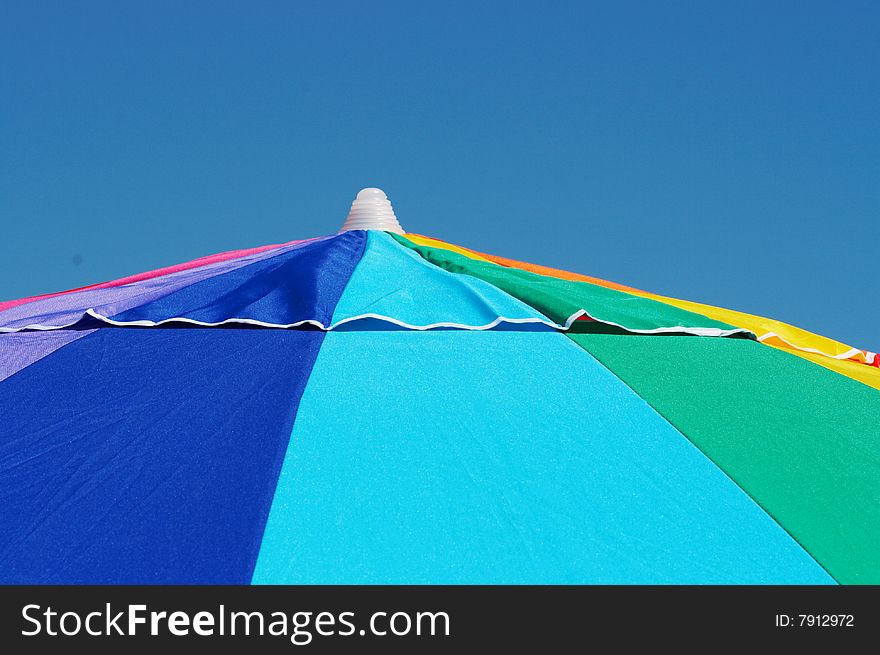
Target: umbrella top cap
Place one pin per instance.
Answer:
(372, 210)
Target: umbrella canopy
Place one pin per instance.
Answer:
(380, 407)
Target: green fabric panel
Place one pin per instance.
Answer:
(801, 440)
(559, 299)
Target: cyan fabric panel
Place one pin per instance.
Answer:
(394, 281)
(302, 284)
(502, 457)
(147, 455)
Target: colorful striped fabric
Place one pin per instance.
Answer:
(834, 355)
(376, 408)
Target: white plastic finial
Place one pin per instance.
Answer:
(371, 210)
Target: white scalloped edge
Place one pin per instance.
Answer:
(698, 331)
(870, 357)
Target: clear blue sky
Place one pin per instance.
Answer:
(721, 152)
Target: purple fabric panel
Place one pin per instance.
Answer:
(21, 349)
(66, 309)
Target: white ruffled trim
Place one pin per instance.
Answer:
(698, 331)
(870, 357)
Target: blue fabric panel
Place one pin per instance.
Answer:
(20, 349)
(301, 284)
(392, 280)
(147, 455)
(502, 457)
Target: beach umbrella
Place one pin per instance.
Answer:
(382, 407)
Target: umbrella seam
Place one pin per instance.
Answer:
(710, 459)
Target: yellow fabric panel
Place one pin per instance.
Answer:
(436, 243)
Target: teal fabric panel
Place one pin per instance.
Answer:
(394, 281)
(502, 457)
